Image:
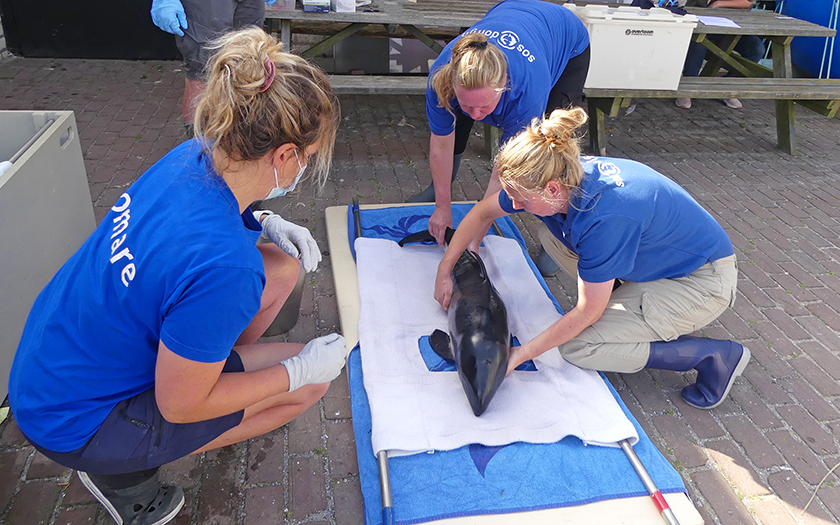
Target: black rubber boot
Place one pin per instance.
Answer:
(718, 362)
(428, 195)
(137, 498)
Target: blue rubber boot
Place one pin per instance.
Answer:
(718, 362)
(546, 265)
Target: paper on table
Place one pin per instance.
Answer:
(717, 21)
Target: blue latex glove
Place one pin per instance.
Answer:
(270, 2)
(169, 15)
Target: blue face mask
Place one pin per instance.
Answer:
(277, 191)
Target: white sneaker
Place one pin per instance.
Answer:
(733, 103)
(683, 103)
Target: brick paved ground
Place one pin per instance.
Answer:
(755, 459)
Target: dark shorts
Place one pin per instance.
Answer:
(567, 92)
(208, 19)
(136, 437)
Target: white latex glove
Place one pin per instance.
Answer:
(291, 238)
(320, 361)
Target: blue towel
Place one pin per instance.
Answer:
(475, 479)
(520, 477)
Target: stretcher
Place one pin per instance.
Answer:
(637, 509)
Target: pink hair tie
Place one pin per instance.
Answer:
(270, 69)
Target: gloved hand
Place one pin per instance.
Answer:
(270, 2)
(169, 15)
(320, 361)
(292, 239)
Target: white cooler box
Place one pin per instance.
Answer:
(45, 214)
(633, 48)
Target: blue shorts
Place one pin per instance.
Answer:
(136, 437)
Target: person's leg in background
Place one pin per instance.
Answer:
(463, 127)
(752, 48)
(693, 63)
(554, 255)
(568, 90)
(208, 19)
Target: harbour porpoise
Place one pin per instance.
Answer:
(479, 340)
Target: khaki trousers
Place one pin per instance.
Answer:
(639, 313)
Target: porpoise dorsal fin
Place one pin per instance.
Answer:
(442, 345)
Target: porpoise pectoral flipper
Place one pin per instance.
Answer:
(442, 345)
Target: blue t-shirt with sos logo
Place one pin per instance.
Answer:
(629, 222)
(538, 39)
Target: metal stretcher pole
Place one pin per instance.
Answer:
(382, 457)
(647, 481)
(385, 489)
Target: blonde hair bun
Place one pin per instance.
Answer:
(548, 149)
(258, 98)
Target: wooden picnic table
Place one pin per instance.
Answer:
(415, 19)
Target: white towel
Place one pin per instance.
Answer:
(414, 410)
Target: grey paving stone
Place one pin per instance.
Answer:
(11, 473)
(342, 449)
(305, 431)
(348, 503)
(308, 490)
(267, 458)
(755, 445)
(728, 508)
(808, 429)
(795, 496)
(34, 503)
(674, 431)
(264, 505)
(799, 456)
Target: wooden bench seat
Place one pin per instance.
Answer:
(378, 85)
(822, 96)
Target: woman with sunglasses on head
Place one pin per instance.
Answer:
(141, 350)
(608, 222)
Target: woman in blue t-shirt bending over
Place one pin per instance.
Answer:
(141, 348)
(616, 222)
(523, 59)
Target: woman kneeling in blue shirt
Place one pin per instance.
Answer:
(607, 220)
(141, 349)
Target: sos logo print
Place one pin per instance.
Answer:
(510, 40)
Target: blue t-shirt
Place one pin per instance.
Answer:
(629, 222)
(173, 261)
(538, 39)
